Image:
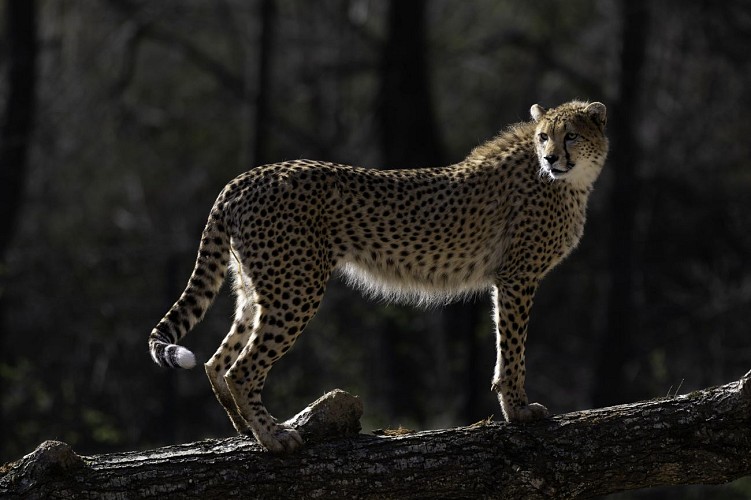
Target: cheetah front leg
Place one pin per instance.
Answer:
(513, 301)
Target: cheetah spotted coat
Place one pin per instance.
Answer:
(497, 221)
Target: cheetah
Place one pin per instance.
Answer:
(497, 221)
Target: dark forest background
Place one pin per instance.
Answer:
(121, 120)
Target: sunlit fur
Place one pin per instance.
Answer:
(410, 289)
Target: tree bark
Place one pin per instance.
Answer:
(702, 437)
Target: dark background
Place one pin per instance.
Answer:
(123, 119)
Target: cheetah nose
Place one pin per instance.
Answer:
(551, 158)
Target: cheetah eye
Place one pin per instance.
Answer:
(571, 136)
(543, 136)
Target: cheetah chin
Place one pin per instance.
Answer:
(558, 172)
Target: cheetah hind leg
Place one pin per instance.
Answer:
(268, 342)
(273, 436)
(246, 410)
(225, 357)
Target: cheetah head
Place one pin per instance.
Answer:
(570, 141)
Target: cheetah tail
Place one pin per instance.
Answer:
(205, 282)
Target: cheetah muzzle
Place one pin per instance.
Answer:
(498, 221)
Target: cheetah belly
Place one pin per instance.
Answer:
(422, 278)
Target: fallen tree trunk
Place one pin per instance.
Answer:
(702, 437)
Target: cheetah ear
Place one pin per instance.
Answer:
(598, 113)
(536, 111)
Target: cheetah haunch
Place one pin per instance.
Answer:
(497, 221)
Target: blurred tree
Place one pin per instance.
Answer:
(615, 343)
(408, 138)
(15, 132)
(15, 138)
(263, 94)
(407, 126)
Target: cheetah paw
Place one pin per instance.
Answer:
(279, 439)
(525, 413)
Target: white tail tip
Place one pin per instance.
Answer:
(184, 358)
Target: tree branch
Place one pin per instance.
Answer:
(702, 437)
(149, 29)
